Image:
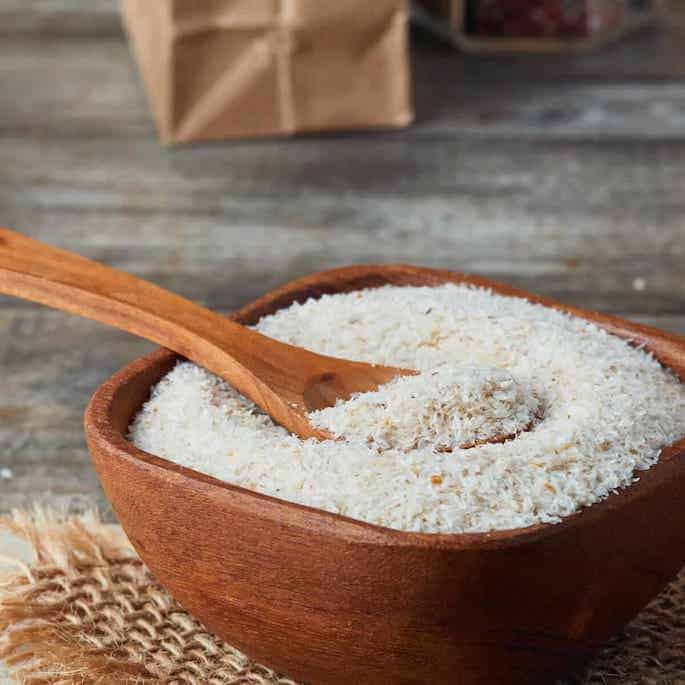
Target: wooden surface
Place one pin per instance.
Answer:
(331, 600)
(564, 176)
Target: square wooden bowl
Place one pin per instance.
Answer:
(328, 599)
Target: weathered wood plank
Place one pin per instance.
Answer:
(60, 17)
(219, 223)
(97, 94)
(51, 364)
(225, 261)
(542, 110)
(142, 176)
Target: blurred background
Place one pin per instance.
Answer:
(559, 173)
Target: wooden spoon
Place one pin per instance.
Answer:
(284, 380)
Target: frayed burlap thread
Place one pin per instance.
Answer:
(88, 611)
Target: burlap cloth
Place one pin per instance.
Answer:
(88, 611)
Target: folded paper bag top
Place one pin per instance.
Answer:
(218, 69)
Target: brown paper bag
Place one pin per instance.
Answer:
(243, 68)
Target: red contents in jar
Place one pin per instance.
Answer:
(545, 18)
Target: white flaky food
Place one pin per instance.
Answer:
(605, 411)
(444, 408)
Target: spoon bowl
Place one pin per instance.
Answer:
(328, 599)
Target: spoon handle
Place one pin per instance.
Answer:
(62, 280)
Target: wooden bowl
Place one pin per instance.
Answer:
(327, 599)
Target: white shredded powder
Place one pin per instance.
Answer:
(601, 412)
(443, 409)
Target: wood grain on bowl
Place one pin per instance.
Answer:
(328, 599)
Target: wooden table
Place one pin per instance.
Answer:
(565, 176)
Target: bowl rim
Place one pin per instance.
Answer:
(668, 348)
